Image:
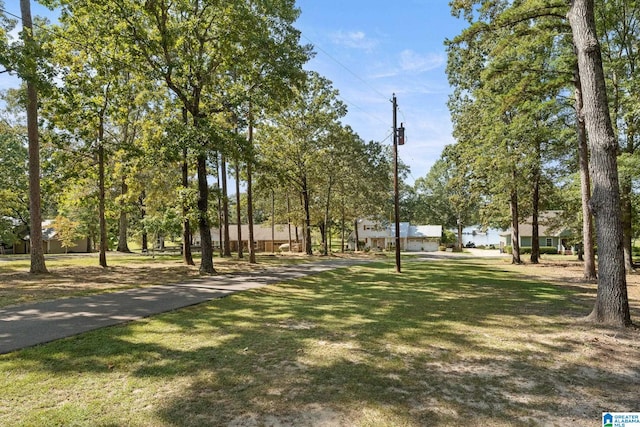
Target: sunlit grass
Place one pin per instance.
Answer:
(444, 343)
(73, 275)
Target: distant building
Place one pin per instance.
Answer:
(378, 236)
(265, 239)
(51, 243)
(551, 233)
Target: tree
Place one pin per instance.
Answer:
(294, 136)
(14, 184)
(448, 193)
(612, 305)
(617, 27)
(67, 231)
(28, 70)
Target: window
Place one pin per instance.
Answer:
(549, 242)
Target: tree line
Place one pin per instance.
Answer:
(544, 113)
(145, 108)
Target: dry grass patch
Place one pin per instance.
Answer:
(80, 274)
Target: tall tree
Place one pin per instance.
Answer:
(291, 142)
(612, 305)
(617, 25)
(29, 73)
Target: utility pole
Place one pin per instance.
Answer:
(396, 193)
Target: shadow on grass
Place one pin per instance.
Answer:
(447, 343)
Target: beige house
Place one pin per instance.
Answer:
(266, 237)
(51, 243)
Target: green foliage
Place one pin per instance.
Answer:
(448, 236)
(165, 223)
(14, 199)
(509, 69)
(551, 250)
(67, 231)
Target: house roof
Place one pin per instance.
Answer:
(416, 231)
(549, 224)
(48, 232)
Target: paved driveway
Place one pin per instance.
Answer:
(31, 324)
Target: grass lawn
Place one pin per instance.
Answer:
(80, 274)
(448, 342)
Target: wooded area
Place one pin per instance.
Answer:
(146, 107)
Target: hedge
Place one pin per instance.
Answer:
(552, 250)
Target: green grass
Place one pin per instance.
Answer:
(445, 343)
(80, 274)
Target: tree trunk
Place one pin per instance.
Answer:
(225, 206)
(612, 304)
(252, 249)
(627, 223)
(101, 190)
(238, 212)
(355, 231)
(273, 221)
(123, 245)
(220, 212)
(143, 213)
(307, 216)
(342, 228)
(459, 223)
(323, 234)
(289, 222)
(325, 231)
(38, 265)
(535, 227)
(187, 256)
(589, 270)
(515, 230)
(206, 264)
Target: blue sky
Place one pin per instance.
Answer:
(370, 50)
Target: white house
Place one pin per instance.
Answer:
(381, 236)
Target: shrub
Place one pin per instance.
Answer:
(526, 250)
(551, 250)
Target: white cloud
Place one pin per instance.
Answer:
(353, 39)
(414, 62)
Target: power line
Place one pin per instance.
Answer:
(358, 77)
(386, 98)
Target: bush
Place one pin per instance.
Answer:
(526, 250)
(551, 250)
(442, 248)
